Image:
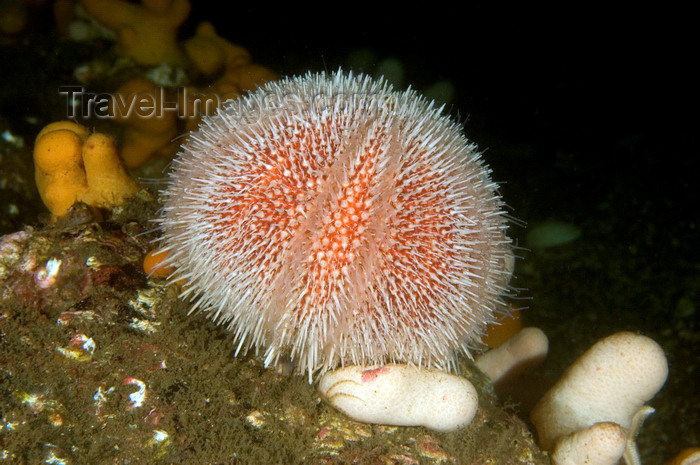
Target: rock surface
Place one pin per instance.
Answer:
(101, 365)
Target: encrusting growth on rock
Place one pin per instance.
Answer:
(73, 166)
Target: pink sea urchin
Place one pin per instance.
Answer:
(336, 221)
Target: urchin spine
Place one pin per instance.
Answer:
(338, 222)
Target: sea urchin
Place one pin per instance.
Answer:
(336, 221)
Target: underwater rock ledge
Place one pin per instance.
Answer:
(102, 365)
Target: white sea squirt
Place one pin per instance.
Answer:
(401, 395)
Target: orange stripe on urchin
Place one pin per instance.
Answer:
(336, 221)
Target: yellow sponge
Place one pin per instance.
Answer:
(71, 166)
